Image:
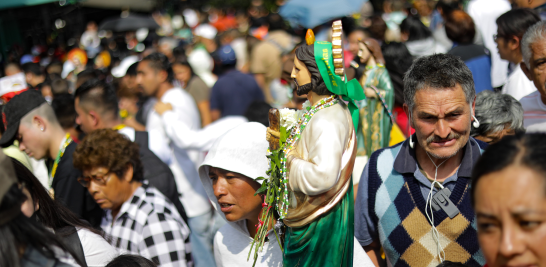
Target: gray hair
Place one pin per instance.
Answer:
(495, 111)
(438, 72)
(534, 34)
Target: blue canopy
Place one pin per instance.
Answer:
(5, 4)
(311, 13)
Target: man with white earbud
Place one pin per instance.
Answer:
(414, 197)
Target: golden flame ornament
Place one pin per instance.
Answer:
(310, 37)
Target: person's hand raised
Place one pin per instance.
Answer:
(161, 107)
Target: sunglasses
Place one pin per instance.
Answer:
(100, 179)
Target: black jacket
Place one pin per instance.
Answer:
(71, 193)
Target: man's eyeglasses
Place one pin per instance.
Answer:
(497, 37)
(100, 179)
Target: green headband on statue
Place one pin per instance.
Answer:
(349, 91)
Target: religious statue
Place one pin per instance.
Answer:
(375, 123)
(316, 159)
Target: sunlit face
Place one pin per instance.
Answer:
(32, 140)
(28, 207)
(148, 78)
(502, 47)
(363, 52)
(300, 73)
(235, 194)
(354, 38)
(83, 119)
(182, 73)
(510, 205)
(441, 118)
(110, 195)
(537, 71)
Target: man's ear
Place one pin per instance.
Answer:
(95, 118)
(128, 175)
(474, 108)
(162, 75)
(39, 122)
(514, 43)
(526, 70)
(408, 112)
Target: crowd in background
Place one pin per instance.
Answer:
(175, 90)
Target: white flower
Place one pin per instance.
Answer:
(303, 110)
(289, 118)
(306, 104)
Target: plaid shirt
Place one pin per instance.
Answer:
(149, 225)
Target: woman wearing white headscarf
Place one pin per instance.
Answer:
(229, 175)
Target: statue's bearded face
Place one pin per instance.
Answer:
(302, 77)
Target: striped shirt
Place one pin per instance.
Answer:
(534, 112)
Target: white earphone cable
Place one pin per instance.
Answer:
(435, 233)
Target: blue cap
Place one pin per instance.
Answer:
(26, 58)
(226, 54)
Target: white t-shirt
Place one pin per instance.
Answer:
(97, 251)
(534, 112)
(231, 248)
(518, 85)
(184, 162)
(157, 142)
(485, 13)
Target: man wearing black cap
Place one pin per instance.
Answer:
(29, 119)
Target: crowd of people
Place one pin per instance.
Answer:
(155, 155)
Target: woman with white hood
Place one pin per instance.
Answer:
(229, 174)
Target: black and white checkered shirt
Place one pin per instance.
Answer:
(149, 225)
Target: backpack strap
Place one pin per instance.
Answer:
(141, 138)
(73, 241)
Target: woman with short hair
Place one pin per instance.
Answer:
(139, 218)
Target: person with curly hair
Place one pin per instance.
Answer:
(139, 218)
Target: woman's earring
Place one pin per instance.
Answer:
(476, 123)
(411, 144)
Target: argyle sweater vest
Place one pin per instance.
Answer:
(397, 207)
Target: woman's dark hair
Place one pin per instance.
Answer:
(306, 54)
(397, 62)
(460, 27)
(131, 261)
(416, 30)
(187, 64)
(25, 233)
(515, 22)
(378, 28)
(51, 213)
(448, 6)
(528, 150)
